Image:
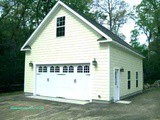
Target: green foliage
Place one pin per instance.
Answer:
(113, 14)
(136, 44)
(148, 21)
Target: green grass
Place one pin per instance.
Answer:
(157, 89)
(11, 93)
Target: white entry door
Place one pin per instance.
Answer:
(68, 81)
(116, 84)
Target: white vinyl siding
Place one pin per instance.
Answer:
(129, 62)
(79, 44)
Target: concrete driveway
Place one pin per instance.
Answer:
(144, 106)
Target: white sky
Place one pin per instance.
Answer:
(129, 26)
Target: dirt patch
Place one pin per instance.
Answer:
(16, 106)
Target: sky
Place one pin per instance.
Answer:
(129, 26)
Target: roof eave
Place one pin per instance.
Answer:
(25, 49)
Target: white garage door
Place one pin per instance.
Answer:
(68, 81)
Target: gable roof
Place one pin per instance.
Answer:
(93, 24)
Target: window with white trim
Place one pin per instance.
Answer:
(60, 26)
(40, 69)
(71, 69)
(79, 69)
(86, 69)
(51, 69)
(136, 79)
(44, 69)
(65, 69)
(57, 69)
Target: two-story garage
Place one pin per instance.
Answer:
(74, 57)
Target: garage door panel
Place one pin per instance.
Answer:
(69, 81)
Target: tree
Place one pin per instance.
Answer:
(113, 13)
(136, 44)
(148, 17)
(148, 20)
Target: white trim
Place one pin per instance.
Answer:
(55, 28)
(90, 82)
(105, 41)
(72, 11)
(109, 72)
(34, 78)
(51, 63)
(62, 62)
(26, 50)
(25, 73)
(118, 68)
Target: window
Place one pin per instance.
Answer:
(71, 69)
(52, 69)
(44, 69)
(86, 69)
(40, 69)
(57, 69)
(60, 26)
(65, 69)
(79, 69)
(129, 79)
(129, 75)
(136, 79)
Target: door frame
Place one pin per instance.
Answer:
(117, 97)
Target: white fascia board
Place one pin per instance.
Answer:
(105, 41)
(62, 62)
(25, 49)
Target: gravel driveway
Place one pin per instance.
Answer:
(144, 106)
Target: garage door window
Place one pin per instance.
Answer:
(57, 69)
(65, 69)
(44, 69)
(79, 69)
(40, 69)
(71, 69)
(86, 69)
(51, 69)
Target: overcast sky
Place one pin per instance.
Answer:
(130, 24)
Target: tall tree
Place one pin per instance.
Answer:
(148, 20)
(112, 13)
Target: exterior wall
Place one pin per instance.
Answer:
(78, 45)
(121, 58)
